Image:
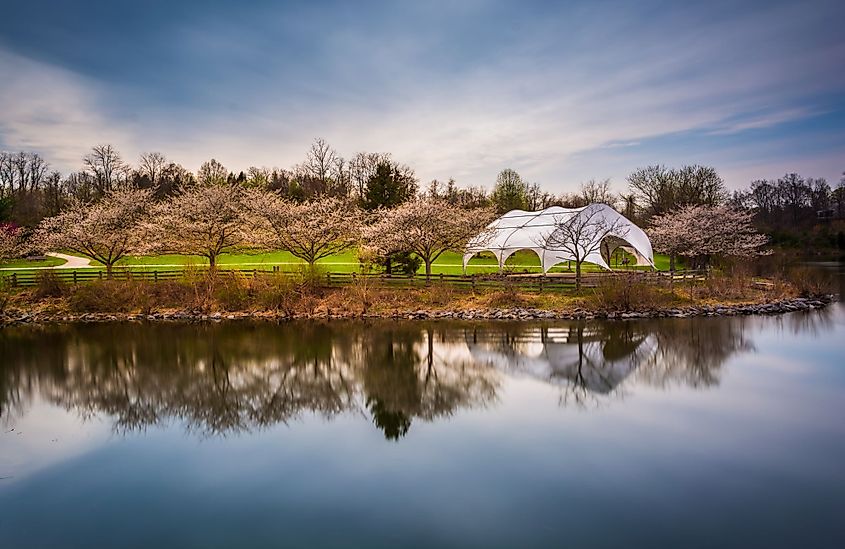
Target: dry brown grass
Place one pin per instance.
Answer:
(306, 294)
(630, 292)
(809, 282)
(48, 284)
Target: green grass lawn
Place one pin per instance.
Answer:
(448, 263)
(48, 261)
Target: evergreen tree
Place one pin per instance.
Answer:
(388, 187)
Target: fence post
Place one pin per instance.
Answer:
(155, 276)
(14, 280)
(74, 277)
(328, 279)
(100, 274)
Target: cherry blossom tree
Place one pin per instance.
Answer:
(427, 227)
(105, 231)
(700, 232)
(309, 230)
(205, 221)
(10, 241)
(581, 235)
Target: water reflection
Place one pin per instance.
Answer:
(226, 378)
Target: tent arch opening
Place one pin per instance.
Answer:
(539, 231)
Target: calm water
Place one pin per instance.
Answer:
(705, 432)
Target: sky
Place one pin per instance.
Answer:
(562, 92)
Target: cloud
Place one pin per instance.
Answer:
(559, 97)
(766, 120)
(52, 111)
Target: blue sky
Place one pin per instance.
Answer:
(561, 92)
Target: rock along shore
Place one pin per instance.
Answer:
(515, 313)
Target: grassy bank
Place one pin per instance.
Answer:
(304, 295)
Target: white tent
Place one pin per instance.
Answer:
(539, 232)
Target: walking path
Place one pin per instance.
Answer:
(71, 261)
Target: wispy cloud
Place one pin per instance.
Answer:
(559, 95)
(766, 120)
(53, 111)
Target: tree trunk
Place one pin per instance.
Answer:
(109, 267)
(212, 263)
(577, 276)
(427, 271)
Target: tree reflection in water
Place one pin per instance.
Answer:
(226, 378)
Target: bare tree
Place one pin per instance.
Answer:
(537, 198)
(580, 235)
(427, 227)
(362, 168)
(598, 192)
(308, 230)
(152, 166)
(838, 197)
(27, 171)
(320, 160)
(7, 174)
(660, 190)
(53, 194)
(212, 173)
(107, 167)
(206, 221)
(105, 231)
(258, 177)
(341, 180)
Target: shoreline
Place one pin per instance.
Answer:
(783, 306)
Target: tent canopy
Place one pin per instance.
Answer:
(605, 230)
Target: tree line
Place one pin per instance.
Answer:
(30, 190)
(327, 204)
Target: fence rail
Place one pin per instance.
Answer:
(539, 282)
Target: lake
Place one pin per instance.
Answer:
(677, 432)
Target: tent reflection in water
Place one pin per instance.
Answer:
(593, 358)
(557, 234)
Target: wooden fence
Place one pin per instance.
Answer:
(538, 282)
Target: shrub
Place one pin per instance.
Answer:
(231, 291)
(277, 292)
(5, 293)
(48, 284)
(627, 292)
(312, 279)
(731, 284)
(166, 293)
(507, 296)
(444, 294)
(105, 296)
(362, 293)
(809, 282)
